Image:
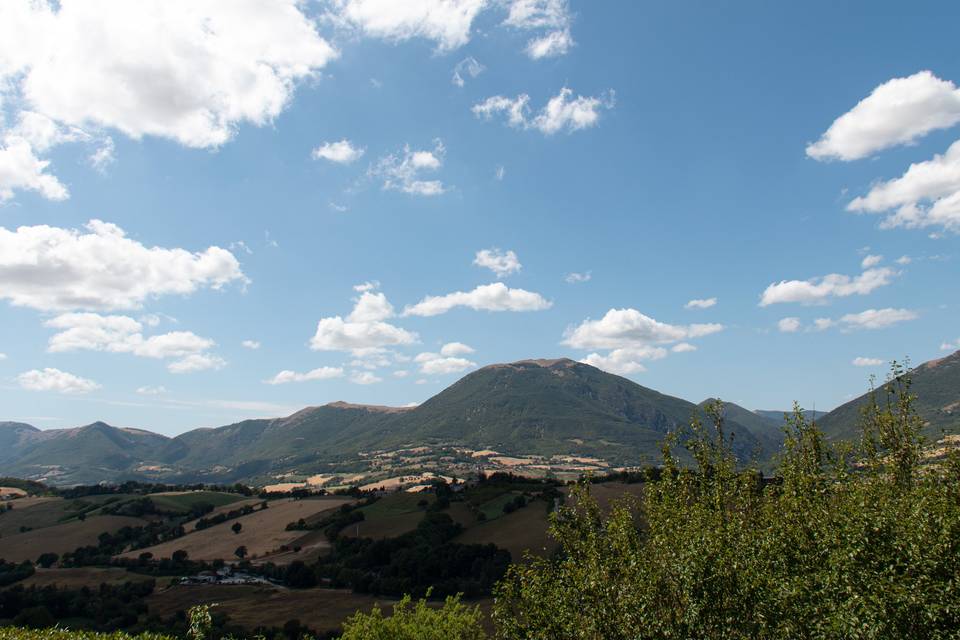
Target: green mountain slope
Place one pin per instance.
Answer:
(937, 386)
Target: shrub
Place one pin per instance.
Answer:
(453, 621)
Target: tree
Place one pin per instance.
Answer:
(241, 552)
(237, 527)
(453, 621)
(46, 560)
(846, 542)
(179, 556)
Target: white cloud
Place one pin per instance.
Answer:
(904, 260)
(321, 373)
(788, 325)
(122, 334)
(53, 269)
(466, 67)
(370, 285)
(364, 377)
(551, 45)
(187, 71)
(500, 172)
(342, 152)
(21, 169)
(683, 347)
(437, 364)
(562, 112)
(446, 22)
(860, 361)
(250, 344)
(455, 349)
(877, 318)
(701, 303)
(822, 324)
(103, 156)
(950, 346)
(502, 263)
(576, 278)
(404, 171)
(334, 334)
(626, 360)
(3, 356)
(365, 331)
(870, 261)
(538, 14)
(197, 362)
(152, 390)
(50, 379)
(927, 194)
(401, 373)
(834, 285)
(622, 328)
(490, 297)
(900, 111)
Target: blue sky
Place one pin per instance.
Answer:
(665, 152)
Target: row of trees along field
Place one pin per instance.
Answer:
(848, 540)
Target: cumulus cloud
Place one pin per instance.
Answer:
(877, 318)
(148, 390)
(626, 360)
(866, 362)
(701, 303)
(191, 71)
(342, 152)
(456, 349)
(405, 171)
(950, 346)
(927, 194)
(551, 45)
(466, 67)
(54, 269)
(490, 297)
(819, 290)
(321, 373)
(576, 278)
(439, 364)
(899, 111)
(250, 344)
(502, 263)
(197, 362)
(683, 347)
(365, 331)
(621, 328)
(562, 112)
(21, 169)
(445, 22)
(870, 261)
(551, 17)
(50, 379)
(789, 325)
(123, 334)
(364, 377)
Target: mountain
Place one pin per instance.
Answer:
(543, 407)
(14, 435)
(935, 383)
(777, 416)
(768, 431)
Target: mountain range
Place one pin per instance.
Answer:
(540, 407)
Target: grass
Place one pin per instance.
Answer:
(493, 509)
(183, 502)
(14, 633)
(524, 529)
(396, 504)
(76, 578)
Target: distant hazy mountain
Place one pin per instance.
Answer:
(777, 416)
(935, 383)
(526, 407)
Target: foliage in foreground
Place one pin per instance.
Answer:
(453, 621)
(14, 633)
(850, 543)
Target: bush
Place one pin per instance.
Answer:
(847, 543)
(452, 621)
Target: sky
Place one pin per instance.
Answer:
(223, 209)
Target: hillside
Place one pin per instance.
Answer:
(540, 407)
(937, 386)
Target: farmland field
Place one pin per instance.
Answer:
(524, 529)
(75, 578)
(62, 537)
(263, 531)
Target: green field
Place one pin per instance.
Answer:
(183, 502)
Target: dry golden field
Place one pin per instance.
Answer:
(62, 537)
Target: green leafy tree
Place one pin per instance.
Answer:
(241, 552)
(236, 528)
(846, 542)
(452, 621)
